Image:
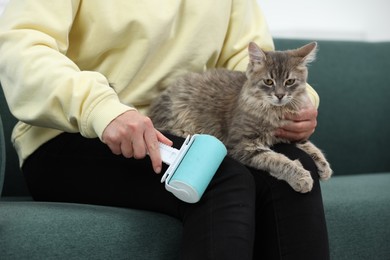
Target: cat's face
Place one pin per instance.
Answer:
(279, 77)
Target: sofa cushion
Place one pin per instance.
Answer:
(38, 230)
(357, 210)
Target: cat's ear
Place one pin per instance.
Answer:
(256, 55)
(307, 52)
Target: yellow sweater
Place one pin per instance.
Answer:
(57, 58)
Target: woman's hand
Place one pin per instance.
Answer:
(300, 126)
(133, 135)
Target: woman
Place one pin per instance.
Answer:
(79, 75)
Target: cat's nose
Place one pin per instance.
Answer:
(280, 96)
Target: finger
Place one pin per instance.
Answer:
(303, 115)
(298, 127)
(163, 139)
(138, 137)
(127, 149)
(153, 150)
(292, 136)
(139, 147)
(113, 144)
(115, 148)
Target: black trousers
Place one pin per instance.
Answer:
(244, 213)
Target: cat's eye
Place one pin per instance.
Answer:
(289, 82)
(268, 82)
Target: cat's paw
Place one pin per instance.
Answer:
(324, 171)
(303, 185)
(302, 181)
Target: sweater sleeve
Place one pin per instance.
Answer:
(42, 86)
(248, 23)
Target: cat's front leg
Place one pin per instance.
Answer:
(278, 166)
(282, 168)
(323, 166)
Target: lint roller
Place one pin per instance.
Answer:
(193, 166)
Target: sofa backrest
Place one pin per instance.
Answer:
(353, 81)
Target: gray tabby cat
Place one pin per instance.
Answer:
(244, 109)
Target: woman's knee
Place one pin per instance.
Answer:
(294, 153)
(234, 179)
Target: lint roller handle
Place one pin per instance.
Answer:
(197, 168)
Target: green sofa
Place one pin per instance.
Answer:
(353, 80)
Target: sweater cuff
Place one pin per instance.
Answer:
(102, 116)
(313, 95)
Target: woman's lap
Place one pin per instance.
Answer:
(236, 207)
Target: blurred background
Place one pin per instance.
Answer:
(318, 19)
(331, 19)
